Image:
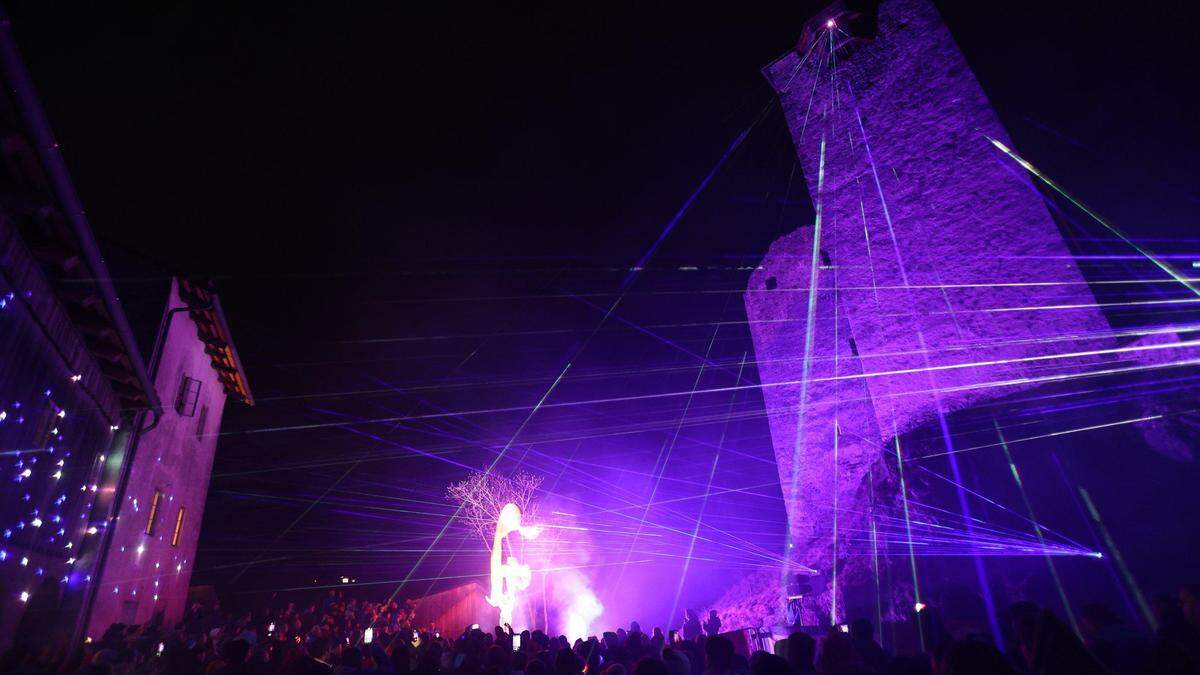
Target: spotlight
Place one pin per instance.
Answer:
(919, 607)
(831, 24)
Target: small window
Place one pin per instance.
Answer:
(189, 395)
(152, 517)
(201, 420)
(178, 526)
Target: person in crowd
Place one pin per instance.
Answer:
(1189, 604)
(718, 656)
(762, 663)
(801, 652)
(970, 656)
(1049, 647)
(331, 637)
(862, 637)
(1120, 648)
(712, 625)
(692, 628)
(836, 656)
(234, 654)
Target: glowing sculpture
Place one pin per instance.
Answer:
(508, 576)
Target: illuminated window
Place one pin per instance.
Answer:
(153, 515)
(178, 527)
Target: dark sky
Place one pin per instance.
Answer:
(323, 161)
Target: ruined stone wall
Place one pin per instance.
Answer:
(823, 426)
(958, 262)
(944, 281)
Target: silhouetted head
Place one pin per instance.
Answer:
(566, 663)
(837, 652)
(762, 663)
(236, 651)
(649, 666)
(801, 651)
(615, 669)
(1095, 617)
(536, 667)
(1189, 602)
(718, 654)
(862, 629)
(970, 657)
(351, 658)
(676, 662)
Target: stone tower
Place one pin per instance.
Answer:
(936, 268)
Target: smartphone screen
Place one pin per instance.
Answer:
(368, 635)
(474, 626)
(517, 642)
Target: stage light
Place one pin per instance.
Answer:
(831, 24)
(919, 607)
(24, 596)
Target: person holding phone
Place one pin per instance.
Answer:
(691, 625)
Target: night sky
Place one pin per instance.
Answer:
(380, 190)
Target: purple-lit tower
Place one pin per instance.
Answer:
(937, 265)
(146, 572)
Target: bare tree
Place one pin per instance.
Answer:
(483, 495)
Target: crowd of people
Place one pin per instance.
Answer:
(341, 636)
